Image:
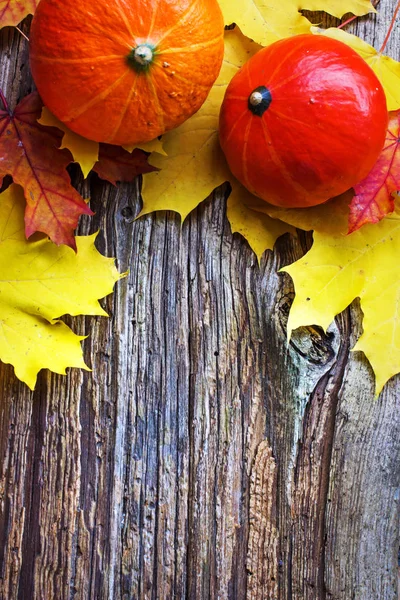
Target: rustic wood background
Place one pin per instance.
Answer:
(202, 458)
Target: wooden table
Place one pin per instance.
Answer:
(202, 458)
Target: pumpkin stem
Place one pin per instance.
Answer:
(259, 100)
(141, 57)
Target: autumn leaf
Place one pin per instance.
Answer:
(195, 165)
(85, 152)
(267, 21)
(112, 163)
(40, 282)
(338, 8)
(116, 164)
(13, 12)
(29, 153)
(152, 146)
(260, 230)
(386, 69)
(330, 218)
(362, 265)
(374, 195)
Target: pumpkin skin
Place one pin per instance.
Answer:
(303, 121)
(125, 71)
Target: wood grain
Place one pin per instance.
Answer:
(203, 457)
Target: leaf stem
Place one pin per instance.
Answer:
(346, 22)
(4, 101)
(385, 41)
(22, 33)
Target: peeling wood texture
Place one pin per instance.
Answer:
(202, 458)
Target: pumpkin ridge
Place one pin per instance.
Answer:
(179, 23)
(159, 109)
(153, 20)
(192, 47)
(78, 111)
(302, 123)
(245, 160)
(125, 19)
(75, 61)
(180, 77)
(246, 72)
(284, 171)
(286, 81)
(294, 76)
(123, 112)
(120, 41)
(236, 124)
(279, 64)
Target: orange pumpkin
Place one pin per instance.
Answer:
(125, 71)
(303, 121)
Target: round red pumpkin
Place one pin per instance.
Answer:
(303, 121)
(125, 71)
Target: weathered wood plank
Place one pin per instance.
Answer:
(203, 457)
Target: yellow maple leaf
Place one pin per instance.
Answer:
(339, 269)
(194, 164)
(267, 21)
(84, 151)
(260, 230)
(386, 69)
(338, 8)
(40, 282)
(331, 218)
(13, 12)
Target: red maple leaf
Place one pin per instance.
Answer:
(374, 195)
(116, 164)
(30, 154)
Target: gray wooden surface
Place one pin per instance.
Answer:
(203, 457)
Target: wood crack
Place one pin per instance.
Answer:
(312, 474)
